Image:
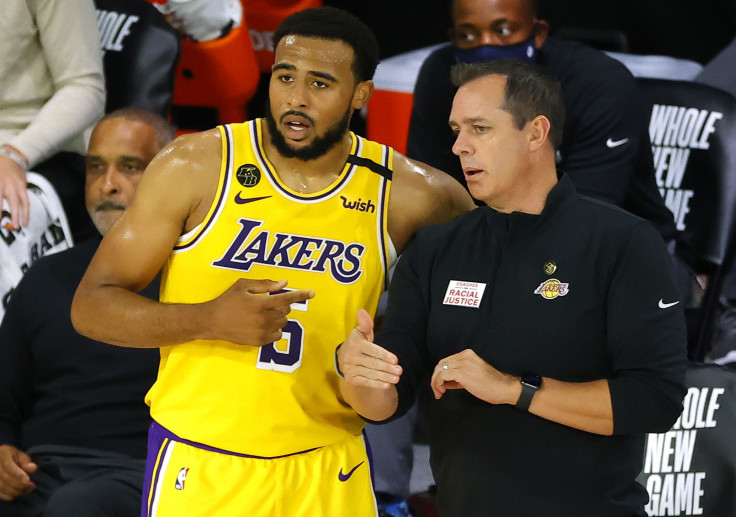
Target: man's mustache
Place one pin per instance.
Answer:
(109, 205)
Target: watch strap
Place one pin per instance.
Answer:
(529, 385)
(527, 393)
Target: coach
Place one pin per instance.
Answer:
(549, 321)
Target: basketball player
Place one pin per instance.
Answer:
(248, 416)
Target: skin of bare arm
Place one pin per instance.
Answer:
(173, 197)
(420, 196)
(582, 405)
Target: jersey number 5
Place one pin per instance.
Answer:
(285, 355)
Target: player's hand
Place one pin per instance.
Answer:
(15, 470)
(364, 363)
(253, 312)
(13, 192)
(465, 370)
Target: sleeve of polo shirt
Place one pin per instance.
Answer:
(647, 337)
(404, 327)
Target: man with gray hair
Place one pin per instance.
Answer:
(73, 422)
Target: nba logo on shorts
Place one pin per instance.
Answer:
(181, 478)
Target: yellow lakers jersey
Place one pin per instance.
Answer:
(283, 397)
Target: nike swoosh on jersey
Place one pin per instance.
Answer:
(663, 305)
(344, 477)
(615, 143)
(243, 200)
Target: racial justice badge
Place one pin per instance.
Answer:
(464, 294)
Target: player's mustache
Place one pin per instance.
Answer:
(298, 114)
(109, 205)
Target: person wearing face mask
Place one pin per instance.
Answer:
(546, 323)
(605, 146)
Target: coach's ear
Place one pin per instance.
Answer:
(538, 132)
(362, 94)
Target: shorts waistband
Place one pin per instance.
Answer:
(159, 432)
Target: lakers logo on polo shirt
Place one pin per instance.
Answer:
(552, 288)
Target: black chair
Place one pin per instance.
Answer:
(140, 54)
(693, 134)
(691, 470)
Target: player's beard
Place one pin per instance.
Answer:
(319, 146)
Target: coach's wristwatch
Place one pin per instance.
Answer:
(530, 383)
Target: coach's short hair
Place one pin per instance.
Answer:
(331, 23)
(530, 91)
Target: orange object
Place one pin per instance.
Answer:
(387, 118)
(388, 113)
(263, 18)
(220, 74)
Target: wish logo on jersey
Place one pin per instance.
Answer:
(285, 250)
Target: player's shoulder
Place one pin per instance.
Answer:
(420, 196)
(190, 155)
(429, 189)
(421, 177)
(193, 144)
(571, 60)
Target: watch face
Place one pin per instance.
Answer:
(532, 379)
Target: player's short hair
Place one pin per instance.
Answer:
(533, 7)
(165, 132)
(530, 91)
(331, 23)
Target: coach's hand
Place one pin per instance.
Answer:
(364, 363)
(253, 312)
(466, 370)
(15, 469)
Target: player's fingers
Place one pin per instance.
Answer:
(271, 337)
(260, 286)
(289, 297)
(274, 313)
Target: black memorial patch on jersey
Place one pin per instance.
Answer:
(248, 175)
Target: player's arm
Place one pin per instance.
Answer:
(422, 195)
(173, 197)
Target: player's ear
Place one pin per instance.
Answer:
(362, 94)
(541, 31)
